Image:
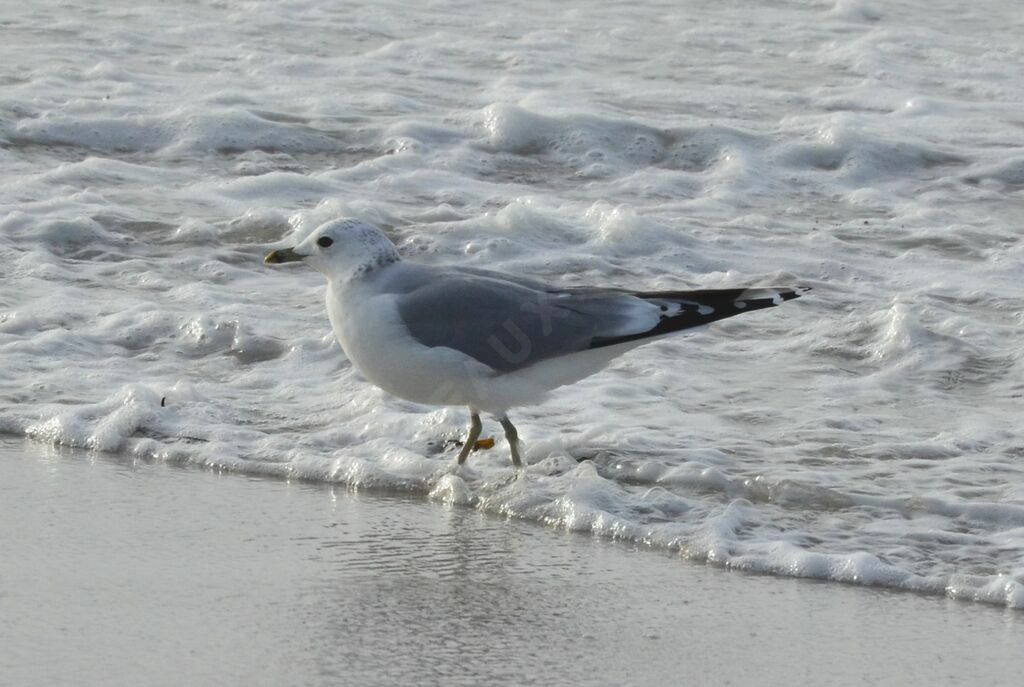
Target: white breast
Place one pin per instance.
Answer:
(379, 346)
(367, 324)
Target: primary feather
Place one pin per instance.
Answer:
(511, 325)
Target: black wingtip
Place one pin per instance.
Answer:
(706, 306)
(791, 292)
(766, 296)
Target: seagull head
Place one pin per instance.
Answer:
(340, 248)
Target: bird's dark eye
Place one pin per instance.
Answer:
(324, 241)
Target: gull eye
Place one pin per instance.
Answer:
(324, 241)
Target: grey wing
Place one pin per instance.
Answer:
(509, 325)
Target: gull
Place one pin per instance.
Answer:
(489, 341)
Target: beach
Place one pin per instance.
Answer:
(866, 433)
(199, 486)
(116, 571)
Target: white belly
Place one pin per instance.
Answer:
(378, 345)
(380, 348)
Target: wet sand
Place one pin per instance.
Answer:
(115, 572)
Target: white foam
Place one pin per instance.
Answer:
(868, 433)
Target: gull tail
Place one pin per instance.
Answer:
(686, 309)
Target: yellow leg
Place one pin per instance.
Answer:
(475, 427)
(513, 440)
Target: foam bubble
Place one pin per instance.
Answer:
(102, 426)
(868, 433)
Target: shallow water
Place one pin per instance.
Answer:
(868, 433)
(119, 571)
